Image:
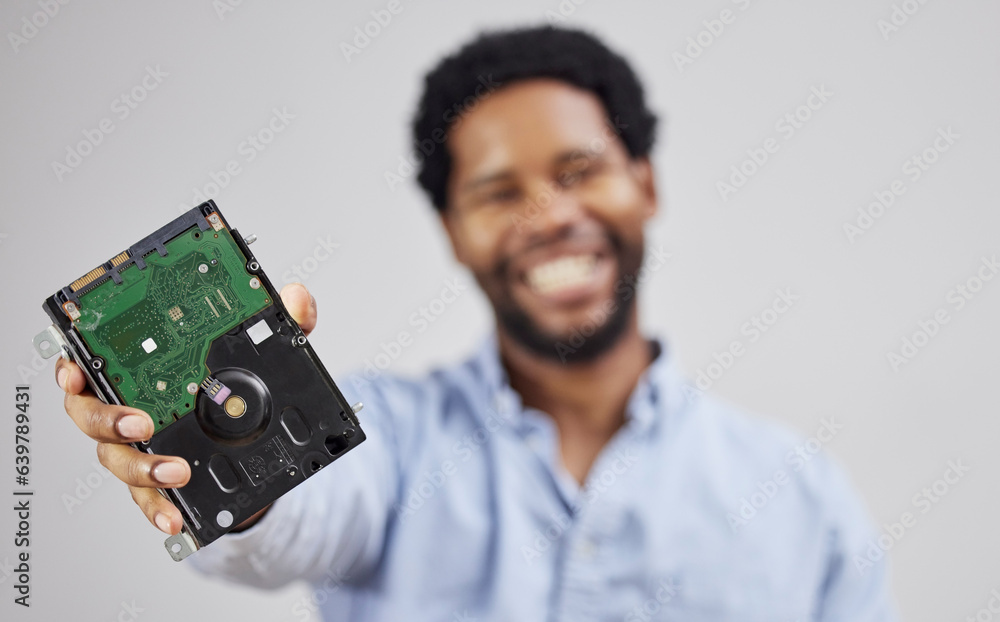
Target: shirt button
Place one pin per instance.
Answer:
(586, 549)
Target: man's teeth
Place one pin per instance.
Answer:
(562, 273)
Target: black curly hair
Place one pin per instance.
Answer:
(496, 59)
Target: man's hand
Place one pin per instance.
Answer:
(113, 427)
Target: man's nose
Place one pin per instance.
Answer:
(557, 208)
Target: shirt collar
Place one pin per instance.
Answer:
(660, 392)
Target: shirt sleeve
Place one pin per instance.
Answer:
(857, 585)
(332, 525)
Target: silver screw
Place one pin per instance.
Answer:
(203, 268)
(192, 388)
(255, 283)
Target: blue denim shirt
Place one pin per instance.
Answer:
(458, 509)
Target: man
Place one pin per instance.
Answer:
(566, 471)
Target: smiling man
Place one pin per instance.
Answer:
(566, 471)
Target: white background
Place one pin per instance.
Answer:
(324, 177)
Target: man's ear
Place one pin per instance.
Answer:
(642, 168)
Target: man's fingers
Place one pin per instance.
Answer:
(301, 305)
(136, 468)
(157, 509)
(107, 423)
(69, 377)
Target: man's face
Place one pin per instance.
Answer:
(547, 209)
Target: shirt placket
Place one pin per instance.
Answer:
(589, 543)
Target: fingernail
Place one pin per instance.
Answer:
(169, 473)
(134, 427)
(162, 522)
(61, 378)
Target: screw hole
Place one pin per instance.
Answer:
(336, 444)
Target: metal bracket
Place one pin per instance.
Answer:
(180, 545)
(50, 342)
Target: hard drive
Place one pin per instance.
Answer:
(186, 326)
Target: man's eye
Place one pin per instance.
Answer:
(578, 174)
(505, 195)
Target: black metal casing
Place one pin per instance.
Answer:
(297, 420)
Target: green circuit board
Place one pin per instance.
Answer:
(155, 328)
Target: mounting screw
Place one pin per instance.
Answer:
(250, 239)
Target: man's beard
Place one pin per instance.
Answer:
(577, 347)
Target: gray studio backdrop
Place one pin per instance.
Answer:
(841, 154)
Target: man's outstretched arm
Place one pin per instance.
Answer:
(333, 520)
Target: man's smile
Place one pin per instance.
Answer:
(570, 272)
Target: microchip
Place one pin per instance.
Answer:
(253, 414)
